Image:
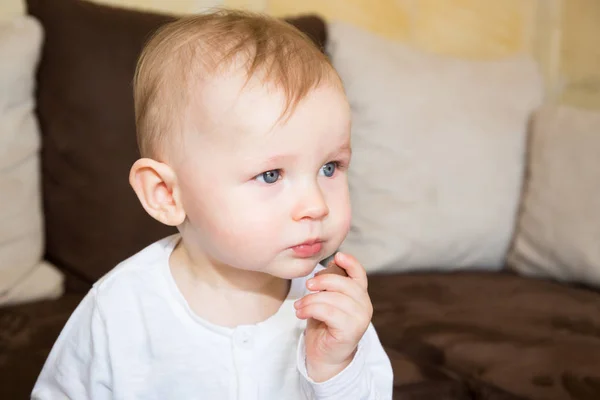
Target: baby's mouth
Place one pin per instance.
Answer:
(308, 249)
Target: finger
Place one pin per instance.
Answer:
(337, 283)
(332, 268)
(334, 299)
(354, 269)
(332, 316)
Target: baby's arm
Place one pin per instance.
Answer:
(368, 377)
(78, 366)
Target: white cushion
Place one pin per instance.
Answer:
(23, 275)
(558, 232)
(438, 152)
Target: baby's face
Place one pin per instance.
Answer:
(264, 196)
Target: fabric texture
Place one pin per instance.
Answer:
(135, 336)
(488, 335)
(558, 232)
(85, 108)
(438, 152)
(23, 274)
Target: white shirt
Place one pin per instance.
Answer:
(134, 336)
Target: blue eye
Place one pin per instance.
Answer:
(269, 177)
(329, 169)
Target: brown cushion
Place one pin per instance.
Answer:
(85, 106)
(27, 333)
(496, 335)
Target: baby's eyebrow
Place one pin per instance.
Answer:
(279, 158)
(275, 161)
(344, 149)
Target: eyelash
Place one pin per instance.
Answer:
(340, 165)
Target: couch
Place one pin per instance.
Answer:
(511, 324)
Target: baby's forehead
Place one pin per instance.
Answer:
(235, 101)
(233, 107)
(231, 110)
(235, 88)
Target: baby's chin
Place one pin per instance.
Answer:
(293, 267)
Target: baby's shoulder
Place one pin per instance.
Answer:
(136, 277)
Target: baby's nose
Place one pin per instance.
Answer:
(311, 205)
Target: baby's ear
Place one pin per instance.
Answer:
(155, 184)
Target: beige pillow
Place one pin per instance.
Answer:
(558, 232)
(23, 274)
(438, 152)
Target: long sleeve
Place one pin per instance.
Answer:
(368, 377)
(78, 365)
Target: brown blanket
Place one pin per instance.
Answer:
(488, 336)
(453, 336)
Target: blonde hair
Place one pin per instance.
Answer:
(200, 46)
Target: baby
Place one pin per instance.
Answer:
(244, 131)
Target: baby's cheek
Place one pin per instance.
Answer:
(347, 221)
(253, 245)
(254, 224)
(344, 226)
(343, 218)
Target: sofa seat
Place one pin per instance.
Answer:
(478, 335)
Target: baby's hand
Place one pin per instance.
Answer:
(338, 316)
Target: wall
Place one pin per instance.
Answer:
(561, 34)
(471, 28)
(580, 53)
(475, 29)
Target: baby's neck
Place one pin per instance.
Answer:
(227, 296)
